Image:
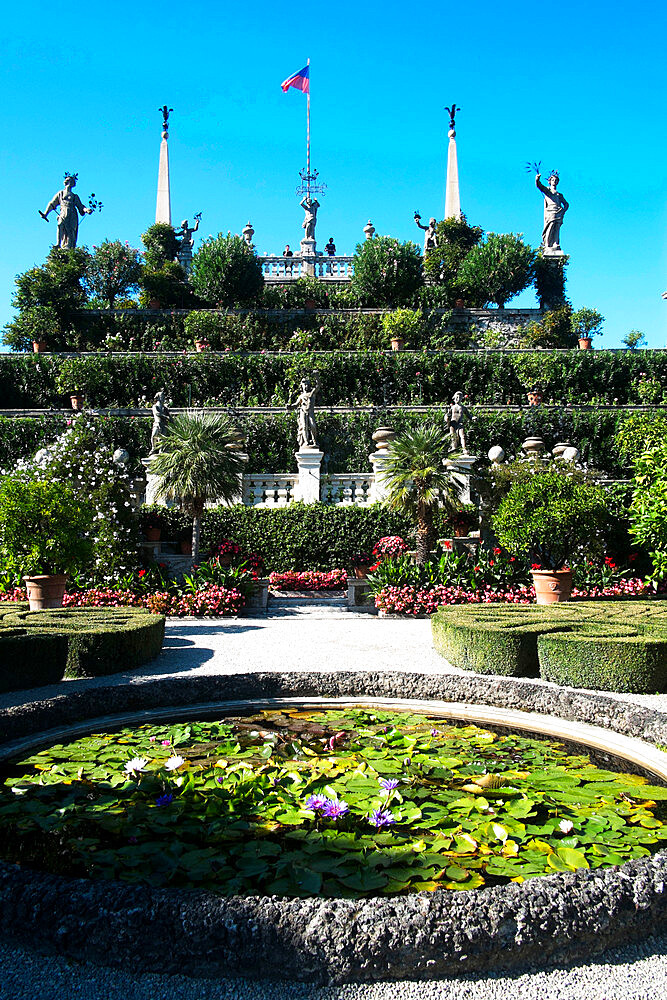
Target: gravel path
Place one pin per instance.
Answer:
(321, 642)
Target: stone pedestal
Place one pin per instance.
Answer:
(309, 255)
(185, 258)
(152, 482)
(309, 463)
(461, 466)
(379, 491)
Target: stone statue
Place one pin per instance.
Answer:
(430, 235)
(369, 230)
(306, 427)
(247, 233)
(161, 415)
(310, 207)
(69, 206)
(457, 413)
(555, 207)
(184, 234)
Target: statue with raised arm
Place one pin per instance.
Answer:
(184, 234)
(430, 235)
(310, 207)
(458, 412)
(305, 401)
(555, 207)
(69, 206)
(161, 415)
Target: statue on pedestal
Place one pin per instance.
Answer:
(186, 242)
(555, 207)
(161, 415)
(456, 415)
(305, 401)
(430, 235)
(310, 207)
(69, 206)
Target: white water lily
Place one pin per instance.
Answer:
(136, 765)
(174, 762)
(565, 826)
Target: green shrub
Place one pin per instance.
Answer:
(166, 285)
(386, 271)
(605, 645)
(550, 280)
(113, 271)
(455, 240)
(58, 284)
(161, 245)
(226, 271)
(41, 647)
(401, 324)
(497, 269)
(587, 322)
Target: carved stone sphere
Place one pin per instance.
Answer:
(496, 454)
(121, 456)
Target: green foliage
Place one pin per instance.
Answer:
(550, 280)
(295, 294)
(417, 482)
(344, 803)
(401, 324)
(648, 508)
(497, 269)
(161, 245)
(634, 339)
(43, 527)
(587, 322)
(226, 271)
(606, 645)
(547, 517)
(554, 330)
(386, 272)
(42, 647)
(113, 270)
(58, 284)
(166, 285)
(455, 240)
(34, 323)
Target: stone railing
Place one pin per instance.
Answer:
(269, 490)
(279, 269)
(348, 490)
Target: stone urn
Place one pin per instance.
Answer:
(45, 590)
(383, 437)
(533, 447)
(552, 585)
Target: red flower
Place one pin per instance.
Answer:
(497, 552)
(142, 572)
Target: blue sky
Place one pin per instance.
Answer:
(579, 86)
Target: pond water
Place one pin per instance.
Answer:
(339, 803)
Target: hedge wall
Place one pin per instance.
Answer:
(604, 645)
(345, 438)
(348, 378)
(42, 647)
(297, 537)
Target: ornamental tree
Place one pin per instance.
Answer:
(455, 241)
(226, 271)
(57, 284)
(497, 269)
(386, 271)
(113, 270)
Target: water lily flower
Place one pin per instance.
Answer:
(565, 826)
(389, 784)
(136, 765)
(174, 762)
(381, 817)
(164, 800)
(317, 802)
(335, 808)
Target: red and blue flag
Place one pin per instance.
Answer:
(300, 80)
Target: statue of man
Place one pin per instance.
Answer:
(430, 235)
(555, 207)
(310, 207)
(306, 427)
(69, 206)
(458, 412)
(161, 415)
(185, 233)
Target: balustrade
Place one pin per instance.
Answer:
(269, 490)
(347, 490)
(279, 269)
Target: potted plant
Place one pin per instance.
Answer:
(586, 324)
(546, 519)
(43, 534)
(71, 379)
(359, 563)
(535, 396)
(399, 325)
(152, 523)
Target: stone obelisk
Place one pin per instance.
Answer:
(163, 206)
(452, 198)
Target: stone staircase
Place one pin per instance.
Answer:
(311, 604)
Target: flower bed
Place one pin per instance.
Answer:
(209, 602)
(335, 579)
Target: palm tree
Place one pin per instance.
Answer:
(418, 483)
(197, 463)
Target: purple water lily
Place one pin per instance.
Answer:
(381, 817)
(335, 808)
(389, 784)
(164, 800)
(317, 802)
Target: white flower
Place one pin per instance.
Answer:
(565, 826)
(136, 765)
(174, 763)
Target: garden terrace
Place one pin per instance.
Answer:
(42, 647)
(606, 645)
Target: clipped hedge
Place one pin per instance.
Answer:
(348, 378)
(296, 537)
(605, 645)
(42, 647)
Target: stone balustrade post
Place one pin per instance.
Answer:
(309, 463)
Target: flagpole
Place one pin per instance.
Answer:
(308, 134)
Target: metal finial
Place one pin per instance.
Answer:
(165, 111)
(452, 115)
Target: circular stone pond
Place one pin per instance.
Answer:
(349, 842)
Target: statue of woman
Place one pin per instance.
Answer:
(306, 427)
(161, 414)
(458, 413)
(555, 207)
(69, 207)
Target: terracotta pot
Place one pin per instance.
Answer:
(310, 304)
(45, 590)
(152, 534)
(359, 572)
(534, 398)
(552, 585)
(154, 304)
(76, 400)
(397, 343)
(585, 344)
(201, 345)
(185, 547)
(459, 304)
(39, 346)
